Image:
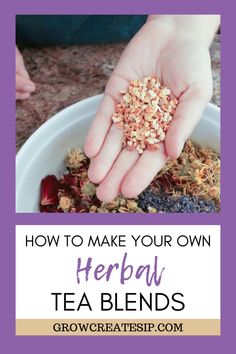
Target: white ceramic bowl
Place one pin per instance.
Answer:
(44, 152)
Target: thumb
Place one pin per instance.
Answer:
(188, 113)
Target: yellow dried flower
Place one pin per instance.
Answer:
(66, 203)
(75, 158)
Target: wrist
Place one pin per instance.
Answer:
(201, 28)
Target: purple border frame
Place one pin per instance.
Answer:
(8, 340)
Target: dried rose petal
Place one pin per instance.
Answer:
(49, 189)
(50, 209)
(76, 190)
(72, 180)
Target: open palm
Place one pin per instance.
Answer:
(183, 65)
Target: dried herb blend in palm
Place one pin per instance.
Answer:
(144, 113)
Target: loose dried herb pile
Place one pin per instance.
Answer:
(144, 113)
(190, 184)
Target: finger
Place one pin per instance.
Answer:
(110, 186)
(102, 120)
(20, 66)
(186, 117)
(24, 85)
(22, 95)
(141, 175)
(20, 69)
(102, 163)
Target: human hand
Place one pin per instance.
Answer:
(24, 86)
(182, 62)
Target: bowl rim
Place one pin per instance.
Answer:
(51, 121)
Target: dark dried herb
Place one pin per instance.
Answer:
(150, 201)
